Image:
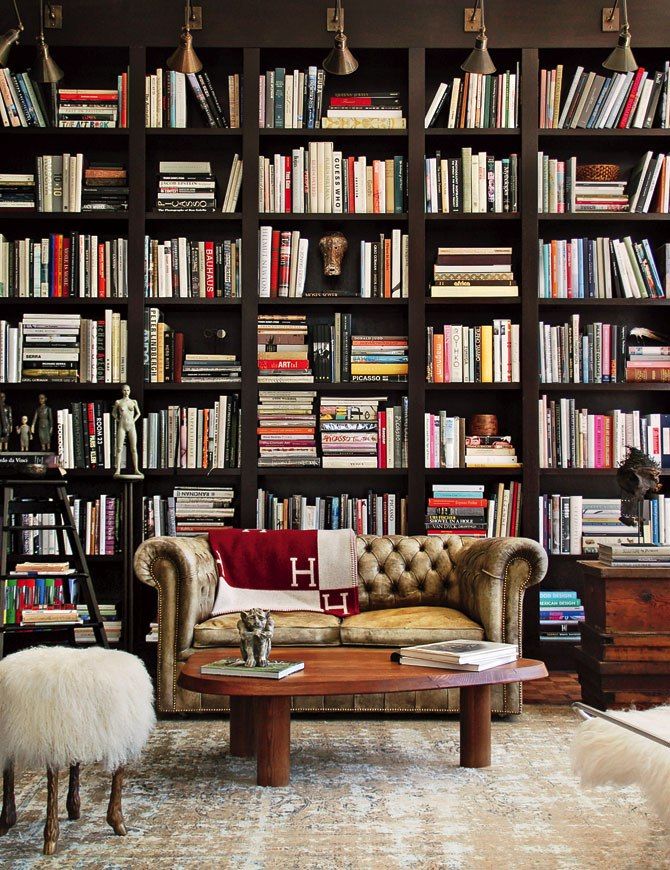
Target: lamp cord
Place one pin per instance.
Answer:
(18, 15)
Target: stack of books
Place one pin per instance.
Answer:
(649, 363)
(458, 655)
(471, 183)
(576, 524)
(152, 635)
(283, 350)
(474, 354)
(490, 451)
(165, 99)
(477, 101)
(374, 514)
(320, 180)
(93, 107)
(615, 556)
(105, 188)
(379, 357)
(464, 509)
(186, 186)
(291, 100)
(373, 110)
(363, 432)
(35, 585)
(595, 353)
(385, 267)
(184, 268)
(598, 196)
(559, 191)
(595, 100)
(199, 368)
(473, 273)
(85, 435)
(286, 429)
(51, 344)
(21, 103)
(601, 268)
(282, 263)
(189, 511)
(53, 616)
(184, 437)
(108, 612)
(561, 611)
(17, 189)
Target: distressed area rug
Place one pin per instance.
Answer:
(364, 794)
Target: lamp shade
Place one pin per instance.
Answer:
(621, 59)
(340, 61)
(7, 40)
(45, 69)
(184, 59)
(479, 59)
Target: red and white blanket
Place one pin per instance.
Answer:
(285, 570)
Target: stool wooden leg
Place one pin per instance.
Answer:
(51, 828)
(8, 814)
(114, 812)
(73, 803)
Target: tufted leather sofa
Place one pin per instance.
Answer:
(411, 589)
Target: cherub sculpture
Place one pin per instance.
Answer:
(256, 628)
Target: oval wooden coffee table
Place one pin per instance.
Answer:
(260, 709)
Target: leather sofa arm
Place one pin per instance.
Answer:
(492, 577)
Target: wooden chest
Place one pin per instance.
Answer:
(624, 656)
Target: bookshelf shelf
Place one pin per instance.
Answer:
(457, 473)
(463, 302)
(604, 134)
(296, 471)
(209, 387)
(599, 472)
(604, 303)
(328, 217)
(58, 216)
(53, 302)
(269, 132)
(62, 386)
(470, 386)
(213, 473)
(344, 301)
(178, 217)
(64, 132)
(371, 387)
(604, 216)
(603, 388)
(189, 132)
(468, 216)
(191, 304)
(475, 133)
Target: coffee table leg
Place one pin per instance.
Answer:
(242, 732)
(475, 720)
(273, 736)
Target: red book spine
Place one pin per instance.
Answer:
(630, 102)
(293, 364)
(350, 101)
(67, 270)
(274, 263)
(102, 282)
(288, 192)
(381, 440)
(209, 270)
(58, 271)
(178, 359)
(351, 185)
(284, 263)
(457, 502)
(90, 419)
(124, 100)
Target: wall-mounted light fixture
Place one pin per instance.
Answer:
(479, 59)
(45, 70)
(184, 59)
(8, 39)
(340, 61)
(621, 58)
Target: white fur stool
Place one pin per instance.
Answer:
(62, 707)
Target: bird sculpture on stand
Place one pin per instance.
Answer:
(638, 476)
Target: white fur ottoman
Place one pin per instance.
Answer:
(603, 752)
(62, 707)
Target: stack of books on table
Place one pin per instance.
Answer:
(463, 509)
(632, 556)
(477, 101)
(191, 510)
(379, 110)
(286, 429)
(282, 263)
(379, 358)
(85, 635)
(184, 268)
(363, 432)
(274, 670)
(283, 349)
(290, 101)
(17, 189)
(186, 186)
(561, 611)
(649, 363)
(198, 368)
(473, 273)
(471, 184)
(458, 655)
(93, 107)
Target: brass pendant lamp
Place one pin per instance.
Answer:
(621, 58)
(45, 70)
(8, 39)
(479, 60)
(340, 61)
(184, 59)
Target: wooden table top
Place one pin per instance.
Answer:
(345, 671)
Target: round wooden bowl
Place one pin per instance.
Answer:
(483, 424)
(598, 172)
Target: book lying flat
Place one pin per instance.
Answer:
(453, 666)
(276, 670)
(460, 652)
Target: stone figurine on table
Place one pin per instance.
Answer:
(6, 423)
(43, 423)
(24, 432)
(126, 413)
(256, 628)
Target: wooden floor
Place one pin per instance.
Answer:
(560, 687)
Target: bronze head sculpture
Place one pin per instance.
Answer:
(333, 247)
(638, 475)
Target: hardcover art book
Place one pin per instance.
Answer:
(274, 670)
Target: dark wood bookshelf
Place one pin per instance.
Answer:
(409, 53)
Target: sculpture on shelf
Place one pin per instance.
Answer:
(6, 422)
(126, 412)
(256, 628)
(333, 247)
(637, 476)
(24, 432)
(43, 422)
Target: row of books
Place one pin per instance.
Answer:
(654, 556)
(561, 611)
(165, 99)
(190, 186)
(385, 267)
(189, 511)
(571, 437)
(374, 514)
(477, 101)
(86, 436)
(577, 525)
(182, 268)
(60, 266)
(602, 268)
(447, 446)
(282, 263)
(593, 353)
(320, 180)
(595, 100)
(290, 101)
(464, 509)
(474, 354)
(64, 347)
(66, 182)
(473, 273)
(35, 590)
(83, 634)
(472, 183)
(186, 437)
(97, 522)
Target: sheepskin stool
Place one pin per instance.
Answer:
(61, 707)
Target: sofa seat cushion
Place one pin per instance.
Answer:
(296, 628)
(405, 626)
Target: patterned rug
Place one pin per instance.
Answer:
(364, 794)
